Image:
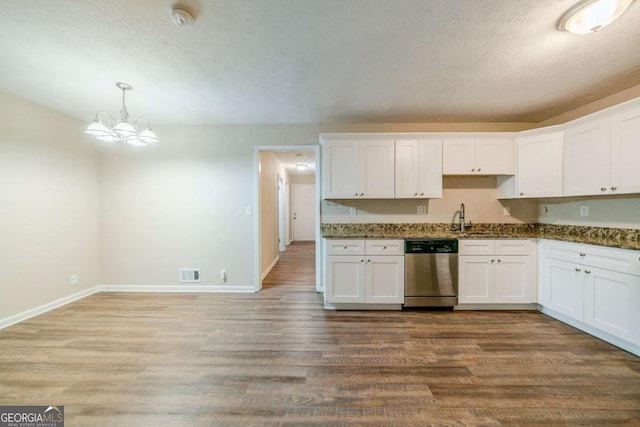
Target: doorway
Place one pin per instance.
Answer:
(280, 169)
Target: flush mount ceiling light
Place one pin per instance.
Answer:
(106, 128)
(302, 166)
(589, 16)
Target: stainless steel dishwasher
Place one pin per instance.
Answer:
(431, 272)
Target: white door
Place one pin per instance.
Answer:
(304, 213)
(586, 158)
(512, 284)
(495, 156)
(476, 278)
(384, 279)
(540, 165)
(345, 279)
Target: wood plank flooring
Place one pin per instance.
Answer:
(277, 358)
(296, 268)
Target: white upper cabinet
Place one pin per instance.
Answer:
(419, 168)
(625, 149)
(377, 167)
(359, 169)
(341, 176)
(587, 157)
(478, 155)
(539, 165)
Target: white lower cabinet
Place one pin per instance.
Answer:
(372, 272)
(597, 287)
(496, 272)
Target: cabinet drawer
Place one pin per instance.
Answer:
(476, 247)
(345, 247)
(513, 247)
(384, 247)
(621, 260)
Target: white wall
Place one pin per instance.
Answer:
(181, 203)
(49, 206)
(270, 169)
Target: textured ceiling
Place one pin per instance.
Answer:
(313, 61)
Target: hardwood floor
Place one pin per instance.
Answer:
(296, 268)
(277, 358)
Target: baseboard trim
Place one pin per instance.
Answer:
(17, 318)
(268, 270)
(178, 289)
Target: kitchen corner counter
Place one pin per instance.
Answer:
(624, 238)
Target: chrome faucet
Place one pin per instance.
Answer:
(462, 218)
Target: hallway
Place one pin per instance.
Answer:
(296, 269)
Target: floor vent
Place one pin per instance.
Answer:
(189, 275)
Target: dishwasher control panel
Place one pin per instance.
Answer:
(430, 246)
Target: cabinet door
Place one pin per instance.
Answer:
(540, 165)
(458, 156)
(345, 279)
(377, 169)
(495, 156)
(476, 278)
(513, 280)
(625, 150)
(562, 288)
(586, 158)
(341, 172)
(611, 303)
(419, 168)
(384, 279)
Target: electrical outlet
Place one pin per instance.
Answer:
(422, 210)
(247, 211)
(584, 210)
(73, 279)
(223, 274)
(506, 210)
(353, 211)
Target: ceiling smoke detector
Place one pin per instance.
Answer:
(181, 16)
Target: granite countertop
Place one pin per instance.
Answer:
(624, 238)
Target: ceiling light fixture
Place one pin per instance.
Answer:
(589, 16)
(106, 128)
(302, 166)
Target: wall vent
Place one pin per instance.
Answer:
(189, 275)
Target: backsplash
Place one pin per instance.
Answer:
(626, 238)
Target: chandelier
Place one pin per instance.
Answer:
(106, 128)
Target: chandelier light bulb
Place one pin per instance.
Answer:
(105, 128)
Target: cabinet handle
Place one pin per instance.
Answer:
(603, 188)
(361, 194)
(356, 195)
(577, 269)
(614, 188)
(522, 194)
(587, 271)
(473, 170)
(384, 247)
(368, 260)
(499, 261)
(361, 260)
(422, 194)
(415, 194)
(479, 169)
(582, 254)
(345, 247)
(492, 261)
